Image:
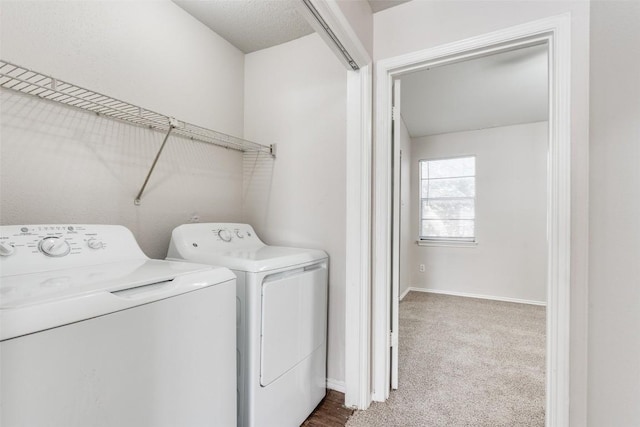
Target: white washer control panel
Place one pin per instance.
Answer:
(54, 246)
(94, 243)
(32, 248)
(6, 249)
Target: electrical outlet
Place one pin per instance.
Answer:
(421, 268)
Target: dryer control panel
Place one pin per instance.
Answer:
(230, 232)
(216, 235)
(36, 248)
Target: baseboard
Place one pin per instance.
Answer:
(336, 385)
(406, 291)
(468, 295)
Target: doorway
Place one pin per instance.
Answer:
(553, 31)
(469, 196)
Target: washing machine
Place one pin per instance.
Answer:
(282, 319)
(94, 333)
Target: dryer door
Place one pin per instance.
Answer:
(294, 319)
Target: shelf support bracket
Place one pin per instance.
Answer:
(146, 180)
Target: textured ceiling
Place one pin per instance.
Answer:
(250, 25)
(498, 90)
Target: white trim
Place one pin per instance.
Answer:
(381, 238)
(395, 232)
(470, 295)
(447, 243)
(336, 385)
(559, 225)
(556, 32)
(404, 294)
(358, 241)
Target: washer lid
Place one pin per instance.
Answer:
(256, 259)
(34, 302)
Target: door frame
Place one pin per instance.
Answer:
(396, 173)
(556, 32)
(357, 385)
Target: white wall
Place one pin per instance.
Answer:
(509, 260)
(418, 25)
(295, 95)
(60, 165)
(360, 18)
(407, 237)
(614, 274)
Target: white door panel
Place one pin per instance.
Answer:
(293, 321)
(395, 256)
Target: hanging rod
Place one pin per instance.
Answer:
(33, 83)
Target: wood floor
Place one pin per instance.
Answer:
(330, 412)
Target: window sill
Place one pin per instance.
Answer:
(447, 243)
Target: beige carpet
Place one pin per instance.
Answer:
(465, 362)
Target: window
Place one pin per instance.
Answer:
(447, 199)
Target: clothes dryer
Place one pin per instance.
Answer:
(282, 319)
(94, 333)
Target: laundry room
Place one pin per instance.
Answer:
(278, 111)
(203, 214)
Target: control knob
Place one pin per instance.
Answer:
(54, 246)
(239, 234)
(225, 235)
(6, 249)
(95, 244)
